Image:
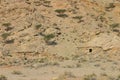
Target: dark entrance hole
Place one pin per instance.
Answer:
(90, 50)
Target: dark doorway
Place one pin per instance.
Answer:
(90, 50)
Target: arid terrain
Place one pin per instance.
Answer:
(59, 39)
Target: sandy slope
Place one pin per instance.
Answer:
(78, 36)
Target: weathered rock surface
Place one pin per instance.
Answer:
(34, 26)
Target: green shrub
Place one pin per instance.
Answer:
(60, 11)
(5, 35)
(118, 77)
(38, 26)
(48, 37)
(62, 15)
(114, 25)
(104, 74)
(2, 77)
(9, 41)
(16, 72)
(69, 74)
(90, 77)
(48, 2)
(43, 60)
(110, 6)
(6, 24)
(78, 17)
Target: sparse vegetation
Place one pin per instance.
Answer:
(64, 39)
(66, 75)
(43, 60)
(110, 6)
(118, 78)
(8, 28)
(54, 63)
(5, 35)
(2, 77)
(114, 25)
(38, 26)
(78, 17)
(62, 15)
(10, 41)
(104, 74)
(6, 24)
(69, 74)
(90, 77)
(17, 72)
(48, 37)
(97, 65)
(78, 65)
(60, 11)
(116, 30)
(75, 57)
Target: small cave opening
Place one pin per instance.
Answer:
(90, 50)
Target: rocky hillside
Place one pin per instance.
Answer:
(30, 29)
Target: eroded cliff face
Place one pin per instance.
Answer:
(31, 28)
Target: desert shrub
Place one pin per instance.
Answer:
(8, 28)
(75, 57)
(43, 60)
(116, 30)
(5, 35)
(110, 6)
(78, 17)
(48, 37)
(102, 18)
(2, 77)
(90, 77)
(54, 63)
(78, 65)
(118, 78)
(48, 2)
(62, 15)
(69, 74)
(114, 25)
(66, 75)
(16, 72)
(38, 26)
(9, 41)
(104, 74)
(60, 10)
(6, 24)
(51, 43)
